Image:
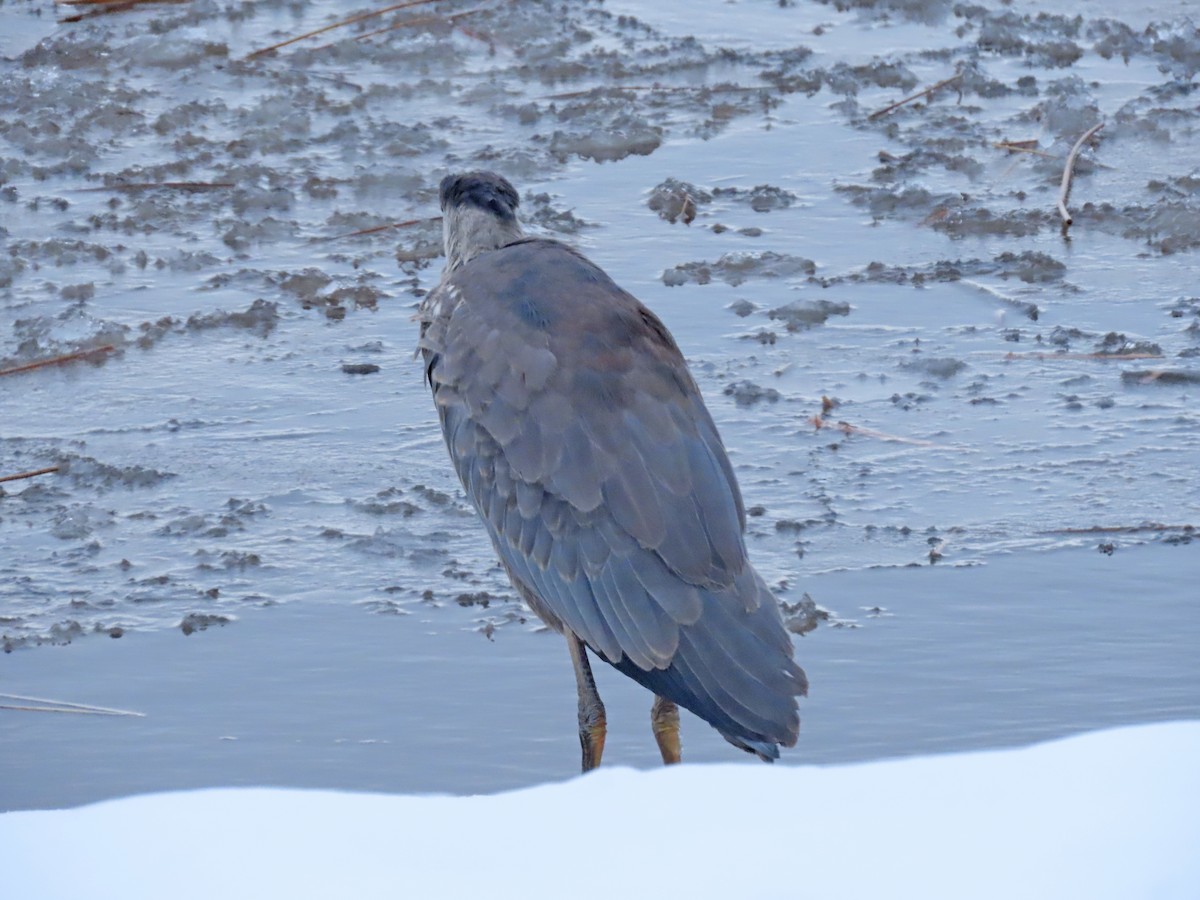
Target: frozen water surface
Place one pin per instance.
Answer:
(932, 659)
(997, 511)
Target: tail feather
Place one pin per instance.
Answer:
(734, 669)
(765, 751)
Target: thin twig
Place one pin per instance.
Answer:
(420, 20)
(1113, 356)
(575, 95)
(55, 360)
(665, 88)
(1023, 147)
(113, 2)
(350, 21)
(153, 185)
(104, 7)
(846, 428)
(927, 92)
(1068, 170)
(1018, 147)
(66, 707)
(378, 228)
(20, 475)
(406, 23)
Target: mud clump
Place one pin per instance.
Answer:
(736, 268)
(1061, 336)
(261, 318)
(1031, 266)
(539, 210)
(1165, 377)
(388, 502)
(802, 616)
(603, 145)
(761, 198)
(84, 470)
(676, 200)
(194, 622)
(1116, 344)
(980, 222)
(747, 393)
(801, 315)
(481, 599)
(937, 367)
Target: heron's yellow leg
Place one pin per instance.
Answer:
(664, 718)
(593, 726)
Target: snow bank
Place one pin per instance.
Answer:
(1109, 814)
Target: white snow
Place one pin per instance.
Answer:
(1112, 814)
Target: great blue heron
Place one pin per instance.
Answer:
(584, 444)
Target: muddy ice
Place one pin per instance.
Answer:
(911, 363)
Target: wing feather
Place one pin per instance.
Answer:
(649, 619)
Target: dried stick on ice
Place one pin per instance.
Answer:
(1065, 190)
(55, 360)
(405, 224)
(924, 92)
(34, 473)
(350, 21)
(414, 22)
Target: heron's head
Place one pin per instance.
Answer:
(479, 213)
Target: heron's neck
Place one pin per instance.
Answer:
(469, 231)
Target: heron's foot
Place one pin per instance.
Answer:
(664, 718)
(593, 728)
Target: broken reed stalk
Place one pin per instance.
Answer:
(927, 92)
(64, 706)
(20, 475)
(360, 17)
(846, 428)
(1065, 189)
(55, 360)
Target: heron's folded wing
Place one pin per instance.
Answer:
(706, 647)
(589, 398)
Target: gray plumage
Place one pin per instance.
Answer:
(582, 440)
